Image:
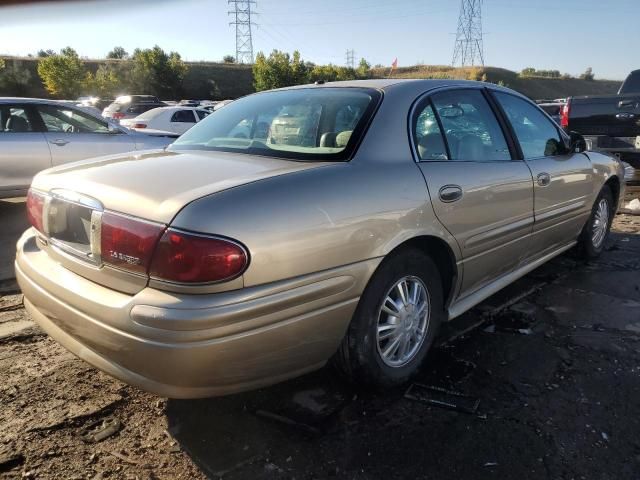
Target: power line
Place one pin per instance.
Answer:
(242, 21)
(350, 58)
(469, 48)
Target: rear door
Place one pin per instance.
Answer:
(23, 147)
(563, 180)
(75, 135)
(479, 193)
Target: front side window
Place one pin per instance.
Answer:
(14, 119)
(471, 128)
(66, 120)
(537, 135)
(305, 124)
(183, 116)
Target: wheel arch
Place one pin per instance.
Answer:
(442, 255)
(614, 185)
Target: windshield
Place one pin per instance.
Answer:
(305, 124)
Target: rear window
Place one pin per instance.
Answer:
(631, 84)
(304, 124)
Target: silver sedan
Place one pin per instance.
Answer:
(37, 134)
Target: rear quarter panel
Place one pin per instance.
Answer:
(318, 219)
(605, 167)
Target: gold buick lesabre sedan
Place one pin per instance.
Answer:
(342, 221)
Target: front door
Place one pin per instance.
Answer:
(74, 135)
(563, 180)
(482, 196)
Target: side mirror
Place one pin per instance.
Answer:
(113, 129)
(577, 143)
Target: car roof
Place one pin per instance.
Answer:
(409, 86)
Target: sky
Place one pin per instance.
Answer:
(565, 35)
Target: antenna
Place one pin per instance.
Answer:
(242, 21)
(469, 49)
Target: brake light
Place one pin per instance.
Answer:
(117, 115)
(139, 125)
(189, 258)
(564, 114)
(35, 207)
(127, 242)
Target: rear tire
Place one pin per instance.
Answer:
(595, 232)
(381, 349)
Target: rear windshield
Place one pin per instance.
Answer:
(304, 124)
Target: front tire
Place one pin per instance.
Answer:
(395, 323)
(596, 231)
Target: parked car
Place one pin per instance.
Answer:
(223, 264)
(130, 106)
(37, 134)
(610, 123)
(170, 119)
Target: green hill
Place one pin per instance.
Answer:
(533, 87)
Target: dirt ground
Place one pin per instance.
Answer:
(549, 369)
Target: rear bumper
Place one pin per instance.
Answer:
(188, 346)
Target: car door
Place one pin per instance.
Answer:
(563, 180)
(23, 147)
(75, 135)
(478, 191)
(182, 120)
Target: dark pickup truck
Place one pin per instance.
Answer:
(609, 123)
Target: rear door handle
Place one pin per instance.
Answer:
(450, 193)
(59, 141)
(544, 179)
(625, 104)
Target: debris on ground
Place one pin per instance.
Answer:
(99, 430)
(441, 397)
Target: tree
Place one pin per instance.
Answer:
(364, 69)
(62, 74)
(118, 53)
(229, 59)
(45, 53)
(105, 83)
(279, 70)
(156, 72)
(14, 79)
(588, 75)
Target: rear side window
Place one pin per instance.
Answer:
(183, 116)
(202, 114)
(14, 119)
(471, 129)
(428, 136)
(304, 124)
(537, 135)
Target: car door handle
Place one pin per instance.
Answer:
(625, 104)
(59, 141)
(625, 116)
(544, 179)
(450, 193)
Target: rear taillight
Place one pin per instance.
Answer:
(189, 258)
(139, 125)
(117, 115)
(127, 242)
(35, 207)
(564, 114)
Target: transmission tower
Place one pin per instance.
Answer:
(469, 49)
(242, 20)
(351, 58)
